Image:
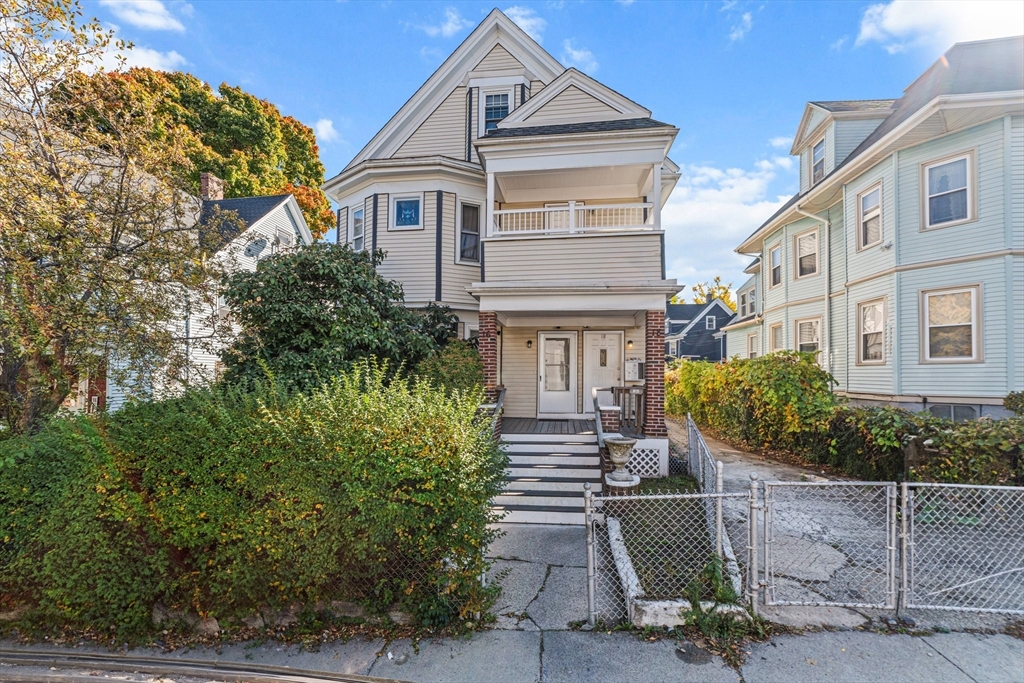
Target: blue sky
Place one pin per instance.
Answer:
(733, 76)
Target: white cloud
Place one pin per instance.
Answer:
(838, 45)
(781, 141)
(142, 57)
(452, 24)
(325, 131)
(526, 19)
(728, 5)
(147, 14)
(581, 58)
(743, 28)
(710, 212)
(937, 24)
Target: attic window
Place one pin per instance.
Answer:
(818, 162)
(495, 109)
(709, 322)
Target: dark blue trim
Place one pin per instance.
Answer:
(482, 278)
(337, 228)
(437, 248)
(469, 124)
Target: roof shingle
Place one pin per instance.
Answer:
(582, 127)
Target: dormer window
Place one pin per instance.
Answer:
(818, 162)
(709, 322)
(495, 109)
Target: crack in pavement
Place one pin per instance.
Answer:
(950, 660)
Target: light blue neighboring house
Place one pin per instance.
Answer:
(901, 259)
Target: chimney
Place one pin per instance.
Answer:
(211, 188)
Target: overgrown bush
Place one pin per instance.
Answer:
(224, 502)
(1014, 402)
(456, 367)
(783, 402)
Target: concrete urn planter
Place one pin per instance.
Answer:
(619, 450)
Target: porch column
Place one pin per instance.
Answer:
(654, 387)
(489, 210)
(656, 196)
(488, 344)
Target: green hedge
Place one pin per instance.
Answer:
(456, 367)
(226, 502)
(783, 402)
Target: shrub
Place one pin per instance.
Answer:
(456, 367)
(1014, 402)
(224, 502)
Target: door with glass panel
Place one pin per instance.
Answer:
(556, 374)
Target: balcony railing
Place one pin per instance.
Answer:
(572, 218)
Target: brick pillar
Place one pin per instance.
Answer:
(610, 419)
(488, 346)
(654, 388)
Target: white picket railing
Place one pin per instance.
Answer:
(572, 218)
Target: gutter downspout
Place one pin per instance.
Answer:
(827, 322)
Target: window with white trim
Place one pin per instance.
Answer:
(870, 218)
(951, 331)
(871, 332)
(947, 186)
(358, 230)
(752, 345)
(752, 300)
(818, 162)
(808, 335)
(407, 212)
(775, 264)
(775, 341)
(807, 254)
(469, 233)
(743, 304)
(709, 322)
(496, 107)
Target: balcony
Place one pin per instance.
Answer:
(573, 218)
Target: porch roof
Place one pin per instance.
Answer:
(578, 127)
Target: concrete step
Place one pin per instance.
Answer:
(542, 515)
(550, 484)
(554, 459)
(559, 499)
(549, 438)
(517, 447)
(560, 471)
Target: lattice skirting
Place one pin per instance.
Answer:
(649, 459)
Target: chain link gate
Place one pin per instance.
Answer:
(830, 544)
(963, 547)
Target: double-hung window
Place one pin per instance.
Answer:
(752, 345)
(871, 332)
(951, 330)
(743, 304)
(495, 109)
(818, 162)
(808, 335)
(358, 236)
(469, 234)
(752, 301)
(709, 322)
(775, 337)
(947, 186)
(870, 222)
(775, 262)
(807, 254)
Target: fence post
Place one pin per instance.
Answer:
(591, 572)
(905, 512)
(719, 531)
(753, 581)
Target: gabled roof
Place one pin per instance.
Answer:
(702, 311)
(683, 311)
(582, 127)
(622, 106)
(837, 106)
(249, 210)
(494, 29)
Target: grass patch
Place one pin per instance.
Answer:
(679, 483)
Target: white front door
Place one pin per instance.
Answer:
(602, 366)
(556, 375)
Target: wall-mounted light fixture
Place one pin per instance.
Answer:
(529, 343)
(629, 344)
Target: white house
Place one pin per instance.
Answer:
(528, 197)
(901, 259)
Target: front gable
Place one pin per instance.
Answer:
(434, 120)
(813, 119)
(571, 98)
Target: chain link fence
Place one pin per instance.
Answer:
(963, 547)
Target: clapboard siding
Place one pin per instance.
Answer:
(474, 129)
(873, 378)
(535, 88)
(851, 132)
(410, 253)
(498, 59)
(612, 258)
(1016, 308)
(456, 276)
(736, 340)
(830, 148)
(343, 236)
(987, 233)
(805, 169)
(444, 131)
(1017, 179)
(873, 259)
(570, 102)
(988, 378)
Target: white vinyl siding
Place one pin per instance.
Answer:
(571, 102)
(455, 275)
(410, 256)
(806, 261)
(443, 133)
(498, 59)
(951, 326)
(849, 133)
(602, 258)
